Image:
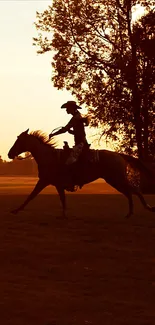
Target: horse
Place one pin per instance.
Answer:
(109, 165)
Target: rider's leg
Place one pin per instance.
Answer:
(72, 168)
(69, 177)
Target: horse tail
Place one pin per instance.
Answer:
(140, 165)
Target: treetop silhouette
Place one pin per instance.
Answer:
(106, 59)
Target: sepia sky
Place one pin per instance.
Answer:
(27, 96)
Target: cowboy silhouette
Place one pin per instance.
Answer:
(76, 127)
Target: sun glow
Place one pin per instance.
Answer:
(28, 99)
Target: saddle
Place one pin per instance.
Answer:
(75, 173)
(87, 156)
(82, 157)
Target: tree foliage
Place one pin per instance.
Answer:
(106, 59)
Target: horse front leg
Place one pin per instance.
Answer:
(62, 196)
(38, 188)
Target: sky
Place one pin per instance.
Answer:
(27, 96)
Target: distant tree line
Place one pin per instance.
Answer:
(27, 167)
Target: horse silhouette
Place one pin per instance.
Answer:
(109, 165)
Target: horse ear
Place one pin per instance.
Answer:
(27, 130)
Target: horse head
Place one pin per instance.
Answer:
(19, 146)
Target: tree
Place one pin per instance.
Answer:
(144, 35)
(145, 39)
(96, 58)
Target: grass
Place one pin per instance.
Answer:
(96, 267)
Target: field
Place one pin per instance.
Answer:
(95, 268)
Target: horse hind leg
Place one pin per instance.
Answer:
(124, 188)
(130, 201)
(126, 191)
(141, 197)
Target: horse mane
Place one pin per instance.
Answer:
(43, 138)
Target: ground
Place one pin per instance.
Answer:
(94, 268)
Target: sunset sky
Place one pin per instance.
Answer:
(27, 97)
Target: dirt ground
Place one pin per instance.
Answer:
(94, 268)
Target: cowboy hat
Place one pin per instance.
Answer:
(71, 103)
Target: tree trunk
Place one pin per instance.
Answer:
(146, 133)
(137, 120)
(136, 102)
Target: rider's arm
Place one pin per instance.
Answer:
(69, 125)
(71, 131)
(62, 130)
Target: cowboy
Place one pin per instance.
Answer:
(76, 126)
